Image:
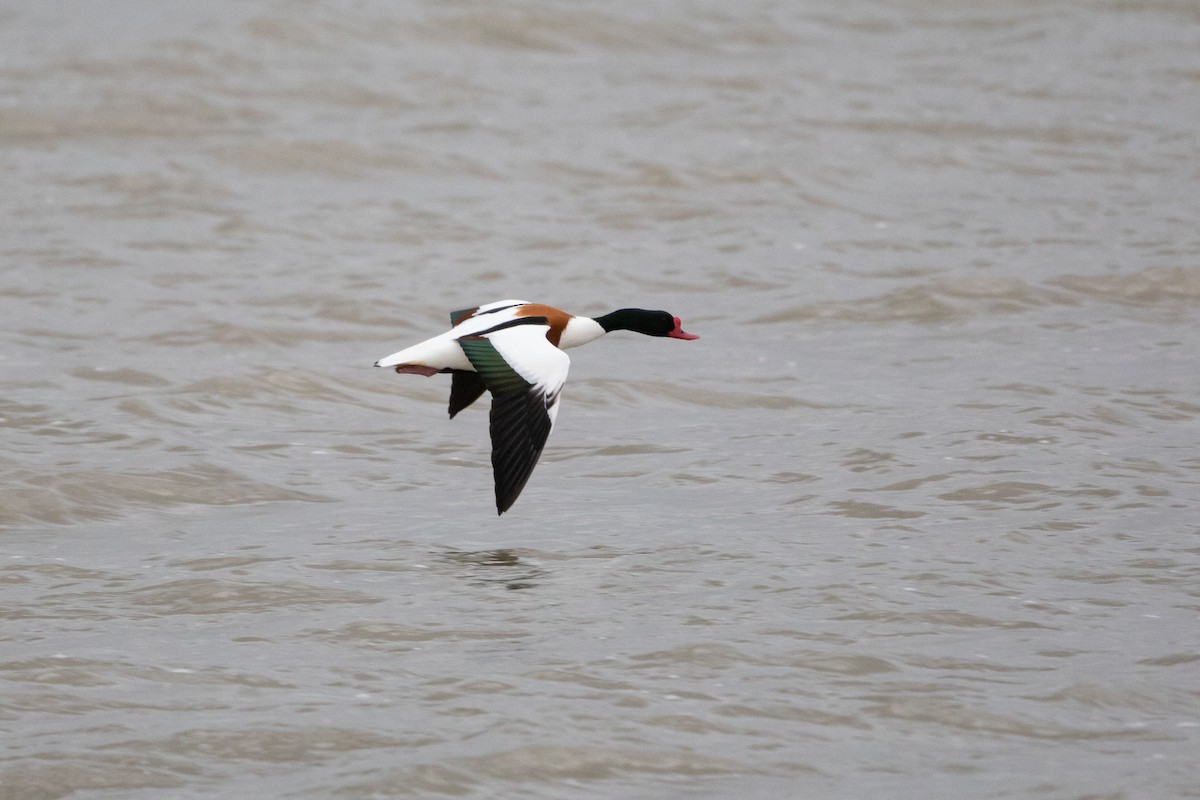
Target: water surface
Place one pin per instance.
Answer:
(915, 516)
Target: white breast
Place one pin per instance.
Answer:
(580, 330)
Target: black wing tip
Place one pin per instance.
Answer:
(505, 501)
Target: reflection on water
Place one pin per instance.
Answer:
(502, 566)
(916, 516)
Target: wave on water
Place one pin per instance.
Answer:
(95, 494)
(954, 299)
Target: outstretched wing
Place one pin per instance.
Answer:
(525, 374)
(487, 308)
(458, 316)
(465, 388)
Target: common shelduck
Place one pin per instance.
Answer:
(514, 349)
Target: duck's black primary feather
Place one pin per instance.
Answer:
(520, 421)
(465, 388)
(519, 427)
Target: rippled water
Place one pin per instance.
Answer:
(916, 516)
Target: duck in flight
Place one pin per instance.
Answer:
(514, 349)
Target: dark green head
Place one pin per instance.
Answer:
(639, 320)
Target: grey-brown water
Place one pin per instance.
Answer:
(915, 517)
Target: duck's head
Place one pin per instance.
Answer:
(650, 323)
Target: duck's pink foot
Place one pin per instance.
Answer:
(417, 369)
